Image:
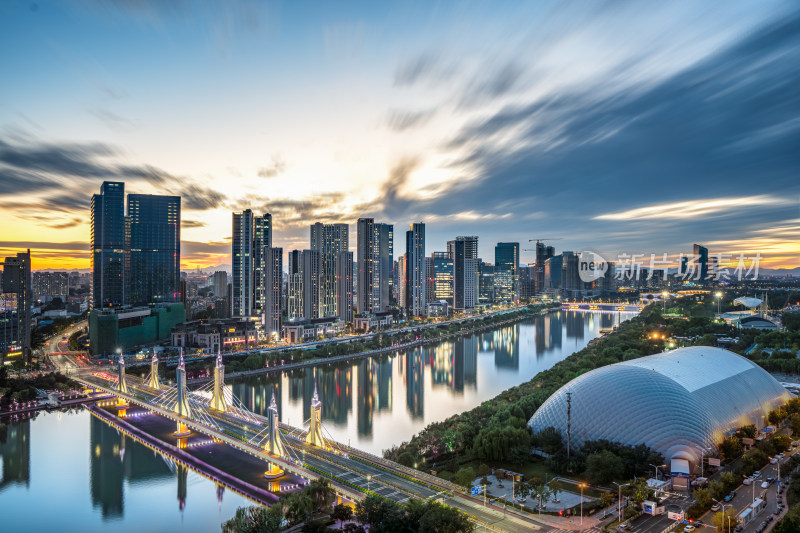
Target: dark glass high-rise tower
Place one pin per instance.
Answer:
(108, 245)
(506, 263)
(155, 248)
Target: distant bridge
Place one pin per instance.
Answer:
(602, 306)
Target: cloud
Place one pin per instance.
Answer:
(695, 209)
(189, 224)
(112, 120)
(278, 166)
(403, 120)
(197, 197)
(415, 69)
(54, 172)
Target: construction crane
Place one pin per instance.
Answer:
(538, 241)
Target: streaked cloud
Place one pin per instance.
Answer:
(696, 208)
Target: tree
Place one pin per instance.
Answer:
(465, 476)
(703, 496)
(483, 470)
(255, 520)
(549, 440)
(794, 424)
(299, 506)
(606, 498)
(523, 489)
(440, 518)
(376, 512)
(342, 513)
(725, 521)
(603, 467)
(731, 447)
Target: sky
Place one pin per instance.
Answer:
(618, 127)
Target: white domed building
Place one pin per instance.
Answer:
(677, 403)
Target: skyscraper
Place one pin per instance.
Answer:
(251, 235)
(464, 251)
(154, 224)
(485, 283)
(304, 284)
(365, 257)
(262, 239)
(344, 286)
(543, 253)
(273, 285)
(329, 240)
(506, 264)
(415, 274)
(108, 245)
(701, 257)
(220, 284)
(16, 297)
(384, 248)
(442, 277)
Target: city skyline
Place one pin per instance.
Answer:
(557, 127)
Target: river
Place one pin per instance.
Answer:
(69, 471)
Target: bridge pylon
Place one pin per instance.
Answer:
(314, 436)
(273, 444)
(122, 384)
(217, 393)
(154, 382)
(182, 403)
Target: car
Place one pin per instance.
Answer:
(687, 529)
(756, 474)
(773, 461)
(789, 449)
(765, 485)
(715, 507)
(770, 479)
(747, 481)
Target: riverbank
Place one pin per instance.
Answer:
(496, 431)
(531, 312)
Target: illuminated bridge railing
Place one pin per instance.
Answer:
(602, 306)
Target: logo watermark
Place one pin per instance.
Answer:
(591, 266)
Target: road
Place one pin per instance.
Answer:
(58, 346)
(746, 494)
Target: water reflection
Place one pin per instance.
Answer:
(360, 400)
(15, 451)
(116, 459)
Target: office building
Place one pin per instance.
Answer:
(427, 267)
(384, 247)
(415, 269)
(304, 284)
(365, 257)
(374, 255)
(344, 287)
(328, 240)
(506, 264)
(251, 235)
(219, 283)
(525, 282)
(701, 258)
(464, 251)
(49, 285)
(442, 277)
(571, 283)
(154, 226)
(402, 276)
(108, 245)
(273, 285)
(552, 273)
(16, 298)
(485, 283)
(543, 253)
(116, 329)
(262, 239)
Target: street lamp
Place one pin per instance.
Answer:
(582, 486)
(719, 297)
(619, 499)
(656, 467)
(664, 299)
(722, 505)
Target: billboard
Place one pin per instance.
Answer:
(713, 461)
(748, 441)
